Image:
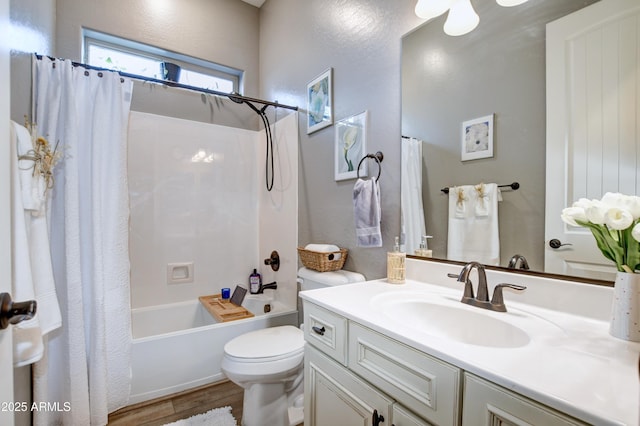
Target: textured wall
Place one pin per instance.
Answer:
(222, 31)
(32, 30)
(360, 40)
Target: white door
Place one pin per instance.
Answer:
(593, 95)
(6, 350)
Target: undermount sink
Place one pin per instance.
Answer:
(441, 317)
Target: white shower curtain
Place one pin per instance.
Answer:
(413, 226)
(86, 368)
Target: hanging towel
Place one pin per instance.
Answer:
(411, 207)
(33, 184)
(473, 232)
(367, 212)
(32, 271)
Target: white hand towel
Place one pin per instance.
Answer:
(326, 248)
(33, 188)
(33, 273)
(461, 198)
(482, 207)
(33, 184)
(27, 336)
(367, 213)
(472, 236)
(322, 248)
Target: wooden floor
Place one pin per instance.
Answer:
(181, 406)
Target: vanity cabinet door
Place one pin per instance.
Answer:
(326, 331)
(427, 386)
(403, 417)
(486, 404)
(335, 397)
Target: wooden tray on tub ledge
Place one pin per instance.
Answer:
(223, 309)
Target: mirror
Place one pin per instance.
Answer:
(498, 69)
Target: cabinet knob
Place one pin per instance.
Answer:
(376, 419)
(318, 330)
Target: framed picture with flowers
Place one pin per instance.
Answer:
(350, 146)
(320, 102)
(477, 138)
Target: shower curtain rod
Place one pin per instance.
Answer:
(233, 96)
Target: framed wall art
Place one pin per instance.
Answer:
(477, 138)
(350, 145)
(319, 102)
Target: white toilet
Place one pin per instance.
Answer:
(268, 363)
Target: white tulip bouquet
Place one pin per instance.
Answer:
(614, 221)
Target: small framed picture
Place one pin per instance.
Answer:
(350, 145)
(477, 138)
(319, 102)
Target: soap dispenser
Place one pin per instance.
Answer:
(396, 264)
(255, 282)
(423, 251)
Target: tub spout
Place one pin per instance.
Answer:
(263, 287)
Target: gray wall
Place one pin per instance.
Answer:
(360, 40)
(33, 23)
(222, 31)
(498, 68)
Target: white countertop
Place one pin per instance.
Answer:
(575, 366)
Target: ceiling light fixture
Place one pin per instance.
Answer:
(428, 9)
(462, 18)
(509, 3)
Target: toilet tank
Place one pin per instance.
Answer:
(310, 279)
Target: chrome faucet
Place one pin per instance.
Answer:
(482, 299)
(513, 262)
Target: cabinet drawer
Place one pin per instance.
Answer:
(425, 385)
(487, 404)
(326, 331)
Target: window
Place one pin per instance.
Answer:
(106, 51)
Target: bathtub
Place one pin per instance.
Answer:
(180, 345)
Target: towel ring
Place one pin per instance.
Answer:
(378, 156)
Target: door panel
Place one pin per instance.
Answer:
(6, 350)
(593, 94)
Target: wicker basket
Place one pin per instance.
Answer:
(322, 262)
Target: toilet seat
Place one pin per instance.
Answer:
(265, 345)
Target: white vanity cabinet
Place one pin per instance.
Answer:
(486, 404)
(357, 376)
(423, 384)
(334, 395)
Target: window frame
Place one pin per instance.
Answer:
(189, 63)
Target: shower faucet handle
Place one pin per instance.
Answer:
(273, 261)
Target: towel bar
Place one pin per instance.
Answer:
(515, 186)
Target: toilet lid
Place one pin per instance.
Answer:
(266, 343)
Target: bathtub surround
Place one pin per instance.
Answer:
(197, 197)
(86, 362)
